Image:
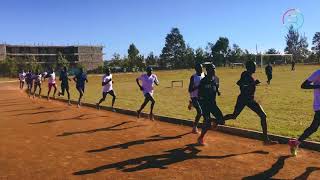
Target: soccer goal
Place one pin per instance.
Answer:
(276, 59)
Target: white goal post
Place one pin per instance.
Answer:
(277, 55)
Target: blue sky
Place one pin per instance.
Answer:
(117, 23)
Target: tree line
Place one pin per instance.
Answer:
(176, 54)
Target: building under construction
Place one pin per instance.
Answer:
(89, 56)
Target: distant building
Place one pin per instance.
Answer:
(89, 56)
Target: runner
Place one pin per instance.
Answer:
(37, 83)
(313, 82)
(208, 89)
(247, 86)
(80, 79)
(29, 81)
(51, 83)
(107, 88)
(22, 78)
(64, 83)
(193, 90)
(268, 71)
(148, 81)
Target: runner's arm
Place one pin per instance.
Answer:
(308, 85)
(191, 85)
(137, 80)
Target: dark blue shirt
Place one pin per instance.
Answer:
(81, 78)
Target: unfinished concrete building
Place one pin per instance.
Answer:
(90, 56)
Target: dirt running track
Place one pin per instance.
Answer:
(50, 140)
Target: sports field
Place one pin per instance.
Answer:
(289, 108)
(51, 140)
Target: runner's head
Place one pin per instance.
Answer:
(211, 69)
(251, 66)
(198, 68)
(65, 69)
(149, 70)
(107, 71)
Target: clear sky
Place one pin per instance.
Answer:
(117, 23)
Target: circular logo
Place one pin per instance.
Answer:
(293, 18)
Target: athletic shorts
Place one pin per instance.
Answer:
(80, 87)
(269, 76)
(64, 87)
(209, 108)
(109, 92)
(250, 103)
(50, 85)
(196, 104)
(37, 83)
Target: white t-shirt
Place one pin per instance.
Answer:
(22, 76)
(196, 83)
(38, 78)
(148, 83)
(108, 86)
(315, 79)
(52, 78)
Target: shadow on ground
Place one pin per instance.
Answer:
(154, 138)
(161, 161)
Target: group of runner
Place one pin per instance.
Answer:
(34, 80)
(203, 89)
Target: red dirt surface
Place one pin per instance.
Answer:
(51, 140)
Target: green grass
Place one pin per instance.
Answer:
(289, 108)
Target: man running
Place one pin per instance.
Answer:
(22, 78)
(37, 83)
(107, 88)
(208, 89)
(29, 81)
(51, 83)
(313, 82)
(64, 83)
(80, 79)
(194, 90)
(247, 86)
(268, 71)
(148, 81)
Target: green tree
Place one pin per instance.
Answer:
(200, 56)
(9, 67)
(236, 54)
(316, 45)
(134, 60)
(296, 45)
(151, 59)
(189, 58)
(173, 52)
(62, 61)
(219, 50)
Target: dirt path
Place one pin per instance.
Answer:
(50, 140)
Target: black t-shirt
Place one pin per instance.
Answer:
(29, 77)
(268, 69)
(208, 89)
(247, 85)
(64, 78)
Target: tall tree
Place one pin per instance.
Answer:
(62, 61)
(133, 57)
(174, 50)
(219, 50)
(316, 44)
(189, 58)
(236, 54)
(296, 45)
(200, 56)
(151, 59)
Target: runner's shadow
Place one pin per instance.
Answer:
(275, 168)
(161, 161)
(41, 112)
(138, 142)
(307, 173)
(80, 117)
(111, 128)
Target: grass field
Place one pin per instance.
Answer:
(289, 108)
